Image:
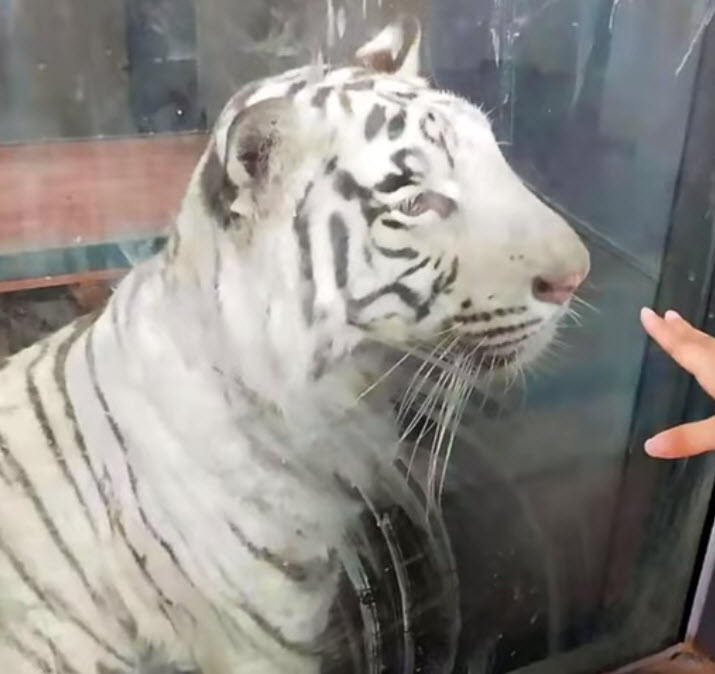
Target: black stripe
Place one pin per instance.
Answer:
(233, 626)
(406, 95)
(53, 601)
(414, 268)
(331, 165)
(442, 284)
(508, 311)
(452, 276)
(31, 493)
(119, 437)
(406, 253)
(477, 317)
(140, 560)
(345, 103)
(374, 122)
(307, 650)
(296, 87)
(400, 158)
(438, 141)
(302, 233)
(395, 224)
(349, 188)
(173, 249)
(510, 342)
(4, 477)
(31, 583)
(339, 241)
(505, 329)
(217, 191)
(388, 97)
(114, 316)
(269, 454)
(26, 652)
(425, 131)
(61, 382)
(359, 85)
(321, 96)
(299, 573)
(41, 415)
(485, 316)
(60, 661)
(396, 125)
(321, 360)
(216, 280)
(445, 148)
(410, 297)
(395, 181)
(304, 650)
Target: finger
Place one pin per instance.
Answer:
(690, 348)
(668, 331)
(681, 441)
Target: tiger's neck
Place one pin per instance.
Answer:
(244, 296)
(213, 452)
(239, 359)
(232, 478)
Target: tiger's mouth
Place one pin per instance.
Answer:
(499, 347)
(489, 357)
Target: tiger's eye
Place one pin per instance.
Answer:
(415, 205)
(429, 200)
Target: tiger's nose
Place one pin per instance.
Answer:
(556, 290)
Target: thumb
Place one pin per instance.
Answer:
(685, 440)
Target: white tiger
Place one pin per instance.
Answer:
(173, 471)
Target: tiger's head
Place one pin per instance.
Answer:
(360, 202)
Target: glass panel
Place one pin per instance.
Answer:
(563, 534)
(593, 102)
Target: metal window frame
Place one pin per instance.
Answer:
(688, 284)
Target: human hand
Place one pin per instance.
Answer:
(695, 352)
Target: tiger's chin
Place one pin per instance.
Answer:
(481, 360)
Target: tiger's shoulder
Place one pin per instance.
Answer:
(24, 375)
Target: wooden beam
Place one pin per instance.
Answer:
(63, 193)
(35, 282)
(679, 659)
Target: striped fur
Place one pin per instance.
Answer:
(173, 470)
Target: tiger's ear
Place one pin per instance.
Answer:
(252, 152)
(395, 49)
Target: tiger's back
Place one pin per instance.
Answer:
(51, 520)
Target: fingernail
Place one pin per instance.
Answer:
(655, 447)
(671, 315)
(647, 311)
